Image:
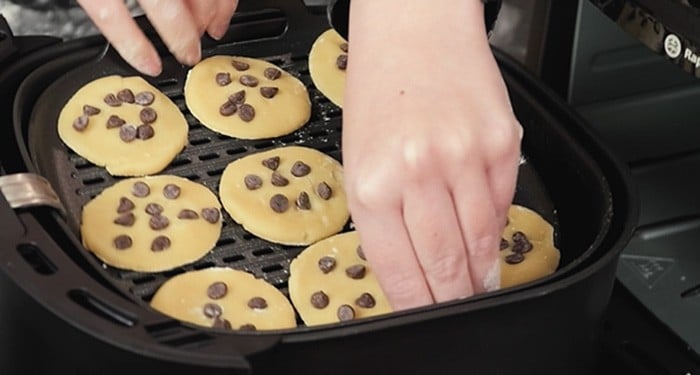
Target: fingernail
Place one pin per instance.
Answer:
(218, 31)
(192, 55)
(150, 67)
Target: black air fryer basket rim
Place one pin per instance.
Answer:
(19, 133)
(615, 245)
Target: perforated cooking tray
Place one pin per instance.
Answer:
(103, 311)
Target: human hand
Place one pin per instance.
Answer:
(180, 23)
(430, 148)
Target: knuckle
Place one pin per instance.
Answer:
(447, 268)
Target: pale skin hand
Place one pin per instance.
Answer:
(180, 23)
(430, 148)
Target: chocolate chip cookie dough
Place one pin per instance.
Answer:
(289, 195)
(246, 98)
(224, 298)
(123, 124)
(328, 60)
(527, 248)
(331, 281)
(151, 224)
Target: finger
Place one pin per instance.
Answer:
(480, 228)
(176, 26)
(116, 24)
(222, 20)
(203, 12)
(434, 231)
(388, 249)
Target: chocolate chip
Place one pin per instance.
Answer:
(187, 215)
(212, 310)
(248, 80)
(112, 100)
(237, 98)
(148, 115)
(140, 189)
(128, 133)
(122, 242)
(520, 243)
(223, 79)
(300, 169)
(360, 252)
(246, 112)
(365, 301)
(257, 303)
(342, 62)
(221, 324)
(252, 182)
(240, 65)
(145, 132)
(81, 123)
(272, 162)
(144, 98)
(115, 121)
(326, 264)
(345, 313)
(160, 243)
(356, 272)
(125, 205)
(171, 191)
(324, 191)
(227, 109)
(154, 209)
(90, 110)
(279, 203)
(247, 327)
(211, 215)
(279, 180)
(268, 92)
(515, 258)
(125, 220)
(126, 96)
(217, 290)
(303, 201)
(319, 300)
(522, 247)
(504, 244)
(272, 73)
(158, 222)
(344, 47)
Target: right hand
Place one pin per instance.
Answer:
(430, 148)
(180, 23)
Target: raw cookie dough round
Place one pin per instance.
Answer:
(327, 61)
(104, 123)
(224, 298)
(274, 102)
(333, 273)
(262, 193)
(529, 257)
(147, 224)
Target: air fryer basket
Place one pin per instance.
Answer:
(65, 292)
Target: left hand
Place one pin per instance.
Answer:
(180, 23)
